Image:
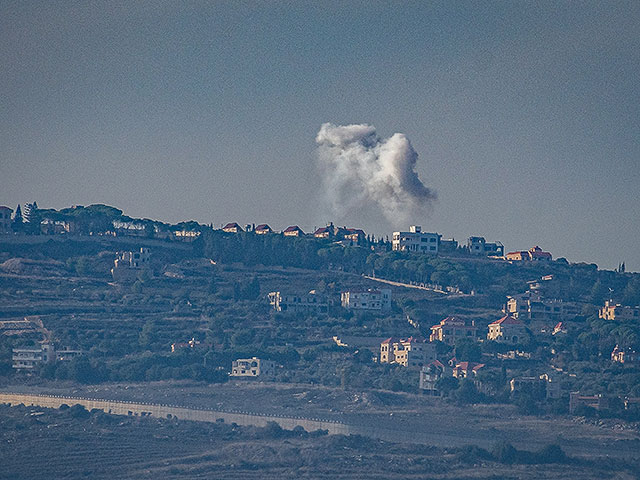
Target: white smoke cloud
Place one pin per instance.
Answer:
(361, 170)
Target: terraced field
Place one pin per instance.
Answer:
(40, 443)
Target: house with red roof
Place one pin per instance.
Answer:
(410, 352)
(293, 231)
(323, 232)
(507, 330)
(232, 228)
(262, 229)
(467, 369)
(534, 254)
(451, 329)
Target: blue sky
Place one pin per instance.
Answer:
(524, 114)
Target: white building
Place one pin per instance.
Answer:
(308, 302)
(253, 367)
(29, 359)
(415, 240)
(368, 299)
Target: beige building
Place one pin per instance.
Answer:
(534, 254)
(232, 227)
(624, 356)
(612, 311)
(410, 352)
(253, 367)
(262, 229)
(293, 231)
(532, 306)
(368, 299)
(5, 219)
(450, 329)
(507, 330)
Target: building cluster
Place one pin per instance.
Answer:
(410, 352)
(415, 240)
(332, 232)
(30, 359)
(314, 302)
(531, 305)
(615, 311)
(128, 264)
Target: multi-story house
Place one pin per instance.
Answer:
(300, 303)
(410, 352)
(479, 246)
(30, 359)
(624, 356)
(253, 367)
(534, 254)
(128, 264)
(507, 330)
(5, 219)
(450, 329)
(430, 374)
(368, 299)
(415, 240)
(615, 311)
(532, 306)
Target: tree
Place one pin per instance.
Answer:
(18, 221)
(468, 350)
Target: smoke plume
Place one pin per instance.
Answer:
(362, 170)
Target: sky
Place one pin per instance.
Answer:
(524, 115)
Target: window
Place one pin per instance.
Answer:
(432, 240)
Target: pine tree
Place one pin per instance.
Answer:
(18, 222)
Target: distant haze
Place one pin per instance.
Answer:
(524, 116)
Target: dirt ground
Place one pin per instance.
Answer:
(385, 415)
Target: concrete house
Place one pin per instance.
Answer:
(507, 330)
(366, 299)
(479, 246)
(415, 240)
(311, 302)
(253, 367)
(532, 306)
(451, 329)
(615, 311)
(410, 352)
